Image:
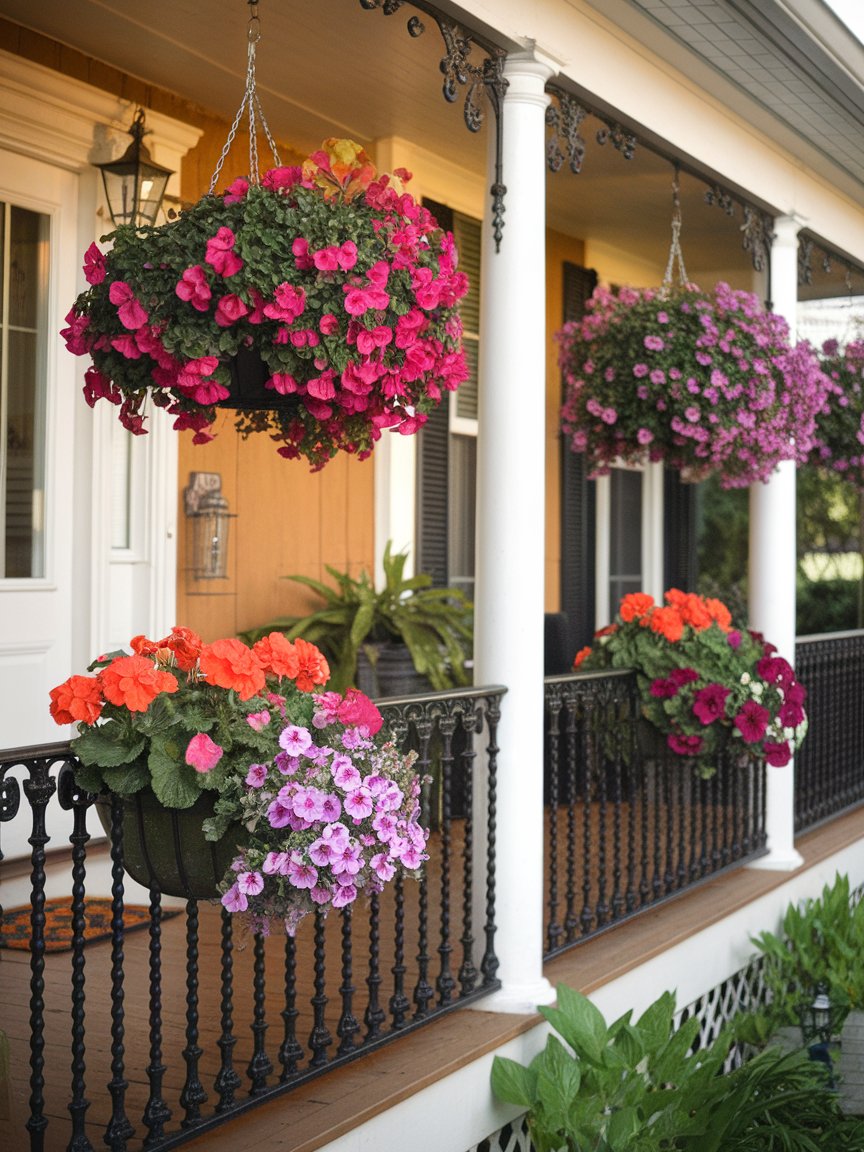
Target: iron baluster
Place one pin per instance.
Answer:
(445, 982)
(72, 798)
(571, 765)
(399, 1003)
(489, 964)
(467, 969)
(227, 1079)
(291, 1050)
(423, 990)
(119, 1128)
(260, 1066)
(319, 1038)
(348, 1026)
(374, 1015)
(193, 1095)
(156, 1112)
(554, 930)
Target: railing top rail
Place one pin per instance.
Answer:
(852, 634)
(605, 674)
(35, 752)
(479, 693)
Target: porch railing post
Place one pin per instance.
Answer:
(510, 528)
(773, 562)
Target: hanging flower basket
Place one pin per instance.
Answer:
(705, 685)
(708, 382)
(332, 279)
(838, 444)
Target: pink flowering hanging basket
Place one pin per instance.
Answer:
(839, 441)
(333, 282)
(707, 382)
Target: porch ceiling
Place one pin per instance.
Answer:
(334, 69)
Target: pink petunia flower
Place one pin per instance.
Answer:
(203, 753)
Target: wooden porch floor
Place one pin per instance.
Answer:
(321, 1110)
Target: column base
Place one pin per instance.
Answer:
(518, 999)
(779, 861)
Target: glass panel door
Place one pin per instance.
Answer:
(24, 251)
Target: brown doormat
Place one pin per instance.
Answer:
(15, 923)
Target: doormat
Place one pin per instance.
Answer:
(15, 923)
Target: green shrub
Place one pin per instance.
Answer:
(640, 1087)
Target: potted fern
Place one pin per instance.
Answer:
(404, 637)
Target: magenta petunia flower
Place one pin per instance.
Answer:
(709, 703)
(752, 721)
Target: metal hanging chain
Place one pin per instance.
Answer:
(675, 253)
(252, 105)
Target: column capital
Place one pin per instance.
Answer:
(527, 71)
(787, 227)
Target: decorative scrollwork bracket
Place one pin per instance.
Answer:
(460, 71)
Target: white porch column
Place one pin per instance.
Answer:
(509, 595)
(773, 561)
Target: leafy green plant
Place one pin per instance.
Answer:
(435, 624)
(821, 942)
(640, 1087)
(628, 1086)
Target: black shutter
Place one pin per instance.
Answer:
(432, 470)
(578, 513)
(680, 561)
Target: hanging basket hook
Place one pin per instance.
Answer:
(252, 106)
(676, 256)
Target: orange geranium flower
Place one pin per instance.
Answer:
(134, 682)
(231, 664)
(668, 622)
(278, 655)
(581, 656)
(186, 646)
(719, 613)
(313, 666)
(635, 605)
(141, 646)
(694, 612)
(78, 698)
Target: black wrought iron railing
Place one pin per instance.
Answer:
(829, 766)
(628, 823)
(147, 1039)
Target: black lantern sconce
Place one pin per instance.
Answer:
(209, 520)
(135, 184)
(818, 1017)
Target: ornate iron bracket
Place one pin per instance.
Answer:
(757, 231)
(807, 250)
(460, 71)
(566, 141)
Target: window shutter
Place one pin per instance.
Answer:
(578, 517)
(680, 562)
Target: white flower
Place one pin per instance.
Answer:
(745, 678)
(756, 688)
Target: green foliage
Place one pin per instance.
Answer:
(434, 623)
(639, 1087)
(821, 942)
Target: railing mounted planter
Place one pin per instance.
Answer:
(165, 848)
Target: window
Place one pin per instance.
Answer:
(447, 448)
(24, 251)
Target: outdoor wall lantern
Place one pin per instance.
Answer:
(134, 184)
(209, 518)
(817, 1017)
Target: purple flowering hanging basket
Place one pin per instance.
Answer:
(707, 382)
